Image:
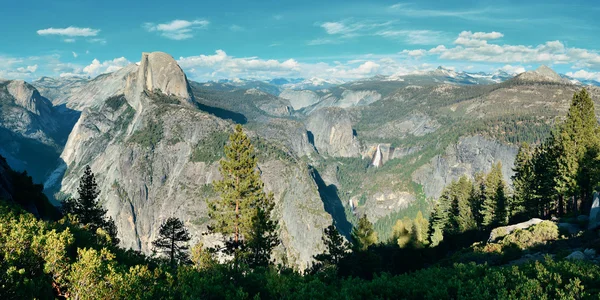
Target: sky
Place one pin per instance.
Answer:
(331, 39)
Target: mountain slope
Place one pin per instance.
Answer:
(156, 154)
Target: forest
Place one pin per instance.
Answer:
(74, 252)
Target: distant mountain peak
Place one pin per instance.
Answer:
(542, 74)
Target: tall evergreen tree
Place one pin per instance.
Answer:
(262, 235)
(577, 134)
(172, 241)
(439, 218)
(336, 247)
(493, 208)
(523, 180)
(87, 208)
(363, 235)
(461, 216)
(243, 211)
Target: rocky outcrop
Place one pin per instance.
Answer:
(467, 157)
(154, 157)
(79, 94)
(158, 71)
(505, 230)
(594, 219)
(300, 99)
(29, 98)
(332, 132)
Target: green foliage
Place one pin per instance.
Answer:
(87, 209)
(115, 102)
(150, 135)
(172, 241)
(242, 214)
(336, 247)
(210, 149)
(560, 175)
(363, 235)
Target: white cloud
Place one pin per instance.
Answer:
(414, 37)
(69, 31)
(585, 75)
(323, 41)
(478, 47)
(96, 67)
(513, 70)
(236, 28)
(69, 40)
(414, 53)
(28, 69)
(97, 41)
(75, 54)
(220, 65)
(177, 29)
(477, 39)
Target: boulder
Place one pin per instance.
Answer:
(594, 219)
(505, 230)
(577, 255)
(571, 228)
(590, 252)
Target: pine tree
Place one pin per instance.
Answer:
(477, 198)
(440, 217)
(262, 236)
(577, 134)
(87, 208)
(461, 217)
(243, 211)
(493, 208)
(172, 241)
(363, 235)
(335, 244)
(523, 180)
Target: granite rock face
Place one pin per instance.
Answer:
(332, 132)
(151, 151)
(470, 155)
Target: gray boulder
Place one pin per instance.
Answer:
(505, 230)
(577, 255)
(590, 252)
(594, 220)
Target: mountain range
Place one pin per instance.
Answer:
(383, 146)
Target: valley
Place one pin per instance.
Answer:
(384, 147)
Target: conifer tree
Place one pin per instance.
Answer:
(335, 244)
(523, 180)
(172, 241)
(493, 208)
(577, 134)
(87, 208)
(242, 214)
(461, 217)
(363, 235)
(439, 217)
(262, 236)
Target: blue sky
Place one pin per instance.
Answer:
(330, 39)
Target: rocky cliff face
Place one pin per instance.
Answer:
(32, 131)
(469, 156)
(155, 155)
(332, 132)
